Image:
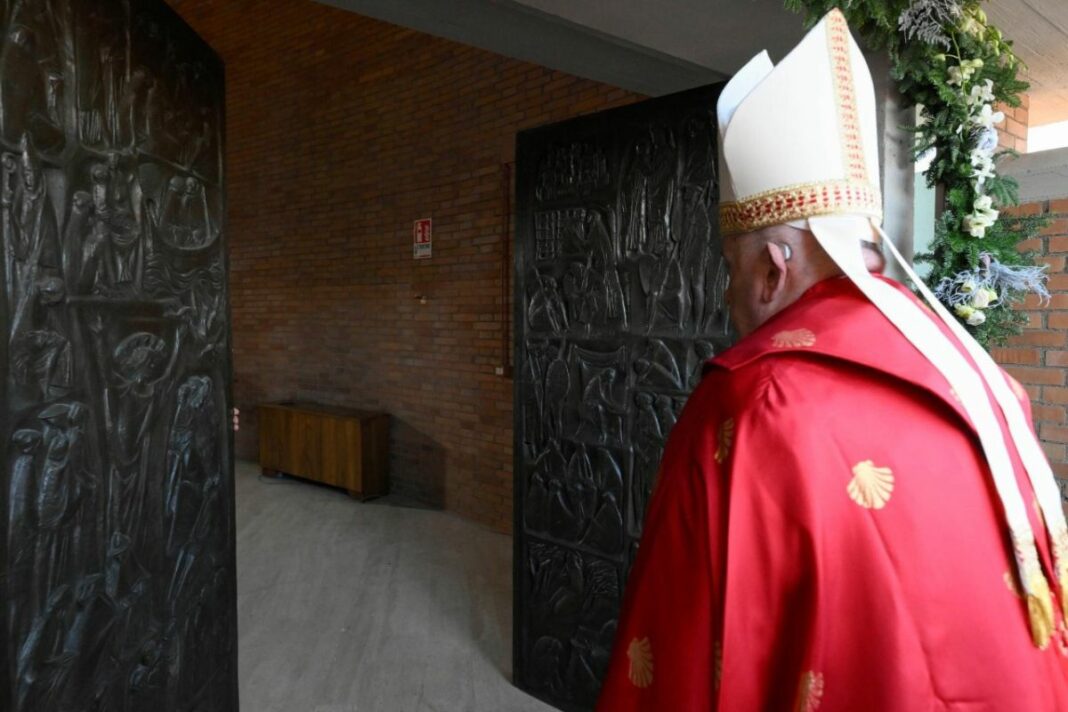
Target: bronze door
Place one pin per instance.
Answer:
(618, 296)
(118, 548)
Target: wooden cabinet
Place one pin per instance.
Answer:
(337, 446)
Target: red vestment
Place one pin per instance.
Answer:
(825, 535)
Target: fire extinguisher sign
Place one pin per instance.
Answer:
(422, 239)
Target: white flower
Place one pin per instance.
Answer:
(973, 316)
(975, 228)
(968, 287)
(982, 167)
(987, 117)
(956, 76)
(984, 297)
(981, 93)
(982, 217)
(978, 158)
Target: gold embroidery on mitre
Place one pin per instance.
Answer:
(810, 694)
(797, 202)
(871, 486)
(793, 339)
(849, 130)
(725, 438)
(1036, 589)
(640, 654)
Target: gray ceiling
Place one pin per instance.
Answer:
(1039, 30)
(648, 47)
(661, 46)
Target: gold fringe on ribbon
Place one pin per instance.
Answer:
(1063, 581)
(1060, 563)
(1040, 610)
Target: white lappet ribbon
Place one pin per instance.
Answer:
(840, 238)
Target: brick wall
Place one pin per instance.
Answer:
(342, 130)
(1013, 131)
(1038, 357)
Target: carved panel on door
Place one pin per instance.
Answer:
(117, 559)
(619, 302)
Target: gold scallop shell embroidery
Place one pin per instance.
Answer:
(811, 693)
(640, 654)
(725, 438)
(871, 486)
(793, 339)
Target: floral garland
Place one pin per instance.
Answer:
(947, 58)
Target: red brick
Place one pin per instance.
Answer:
(1056, 227)
(1053, 433)
(1057, 301)
(1058, 320)
(1057, 358)
(1037, 375)
(1048, 413)
(1035, 337)
(1059, 206)
(1057, 282)
(1054, 451)
(1015, 356)
(1054, 394)
(1015, 128)
(1035, 244)
(1021, 210)
(1055, 264)
(1034, 320)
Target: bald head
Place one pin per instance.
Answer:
(771, 268)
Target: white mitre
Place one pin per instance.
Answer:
(800, 139)
(799, 146)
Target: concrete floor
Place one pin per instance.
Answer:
(374, 607)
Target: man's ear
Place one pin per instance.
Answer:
(775, 276)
